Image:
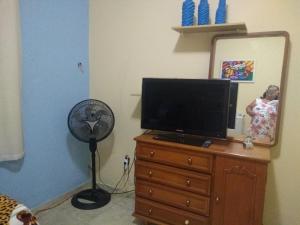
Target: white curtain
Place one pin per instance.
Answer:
(11, 146)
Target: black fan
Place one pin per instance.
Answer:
(91, 121)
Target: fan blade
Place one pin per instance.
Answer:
(101, 129)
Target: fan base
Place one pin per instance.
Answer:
(91, 199)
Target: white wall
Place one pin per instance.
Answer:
(132, 39)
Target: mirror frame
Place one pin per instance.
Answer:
(283, 34)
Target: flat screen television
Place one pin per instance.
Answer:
(188, 106)
(234, 87)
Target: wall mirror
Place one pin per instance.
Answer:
(258, 63)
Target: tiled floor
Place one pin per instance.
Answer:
(117, 212)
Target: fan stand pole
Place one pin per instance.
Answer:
(92, 198)
(93, 149)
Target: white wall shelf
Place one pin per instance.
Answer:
(226, 28)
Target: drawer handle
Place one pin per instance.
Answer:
(150, 192)
(188, 203)
(186, 222)
(188, 182)
(150, 173)
(217, 199)
(190, 161)
(149, 212)
(152, 154)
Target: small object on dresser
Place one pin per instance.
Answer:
(248, 144)
(188, 9)
(203, 12)
(207, 143)
(221, 12)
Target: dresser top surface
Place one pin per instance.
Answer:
(218, 147)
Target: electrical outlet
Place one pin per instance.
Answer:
(126, 163)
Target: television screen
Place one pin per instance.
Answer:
(190, 106)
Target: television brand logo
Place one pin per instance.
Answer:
(179, 130)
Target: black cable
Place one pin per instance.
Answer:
(124, 192)
(128, 175)
(129, 170)
(99, 167)
(99, 176)
(124, 173)
(53, 206)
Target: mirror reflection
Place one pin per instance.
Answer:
(257, 62)
(263, 112)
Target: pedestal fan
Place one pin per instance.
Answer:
(91, 121)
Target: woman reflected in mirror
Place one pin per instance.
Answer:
(263, 112)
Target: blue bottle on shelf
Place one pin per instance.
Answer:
(203, 12)
(188, 10)
(221, 12)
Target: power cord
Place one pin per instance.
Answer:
(100, 179)
(121, 178)
(99, 167)
(129, 171)
(52, 207)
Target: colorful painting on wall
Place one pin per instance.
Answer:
(238, 70)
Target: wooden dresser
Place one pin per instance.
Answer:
(178, 184)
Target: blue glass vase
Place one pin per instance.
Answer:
(203, 12)
(221, 12)
(188, 10)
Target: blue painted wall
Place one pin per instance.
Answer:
(54, 39)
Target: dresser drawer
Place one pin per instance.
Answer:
(173, 197)
(173, 177)
(167, 214)
(175, 157)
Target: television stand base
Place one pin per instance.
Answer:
(185, 139)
